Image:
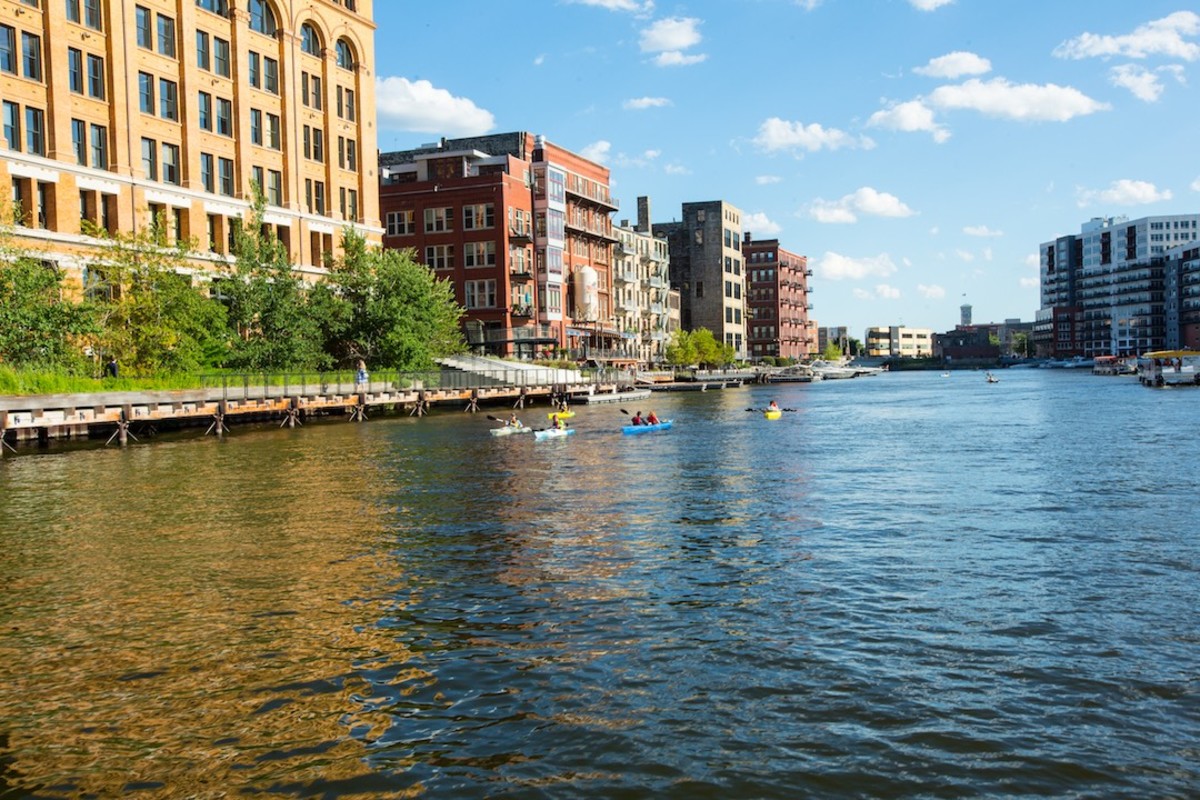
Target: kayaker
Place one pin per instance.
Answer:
(558, 423)
(513, 422)
(651, 419)
(637, 419)
(773, 406)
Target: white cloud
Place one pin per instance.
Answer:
(965, 255)
(642, 103)
(909, 117)
(539, 60)
(808, 5)
(933, 292)
(420, 107)
(837, 267)
(1033, 261)
(760, 225)
(764, 180)
(981, 230)
(631, 6)
(1165, 37)
(863, 201)
(1195, 187)
(929, 5)
(935, 230)
(1124, 192)
(597, 151)
(638, 161)
(1030, 283)
(676, 169)
(860, 294)
(954, 65)
(674, 58)
(1025, 101)
(887, 292)
(669, 37)
(777, 134)
(1145, 84)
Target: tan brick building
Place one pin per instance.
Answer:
(122, 112)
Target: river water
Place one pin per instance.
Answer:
(909, 586)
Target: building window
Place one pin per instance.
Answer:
(8, 50)
(35, 131)
(439, 256)
(256, 129)
(274, 187)
(345, 103)
(221, 56)
(256, 178)
(309, 42)
(12, 125)
(205, 111)
(349, 199)
(345, 56)
(479, 254)
(203, 51)
(271, 75)
(170, 163)
(207, 176)
(73, 11)
(168, 100)
(31, 46)
(225, 175)
(75, 70)
(438, 220)
(480, 294)
(224, 117)
(262, 18)
(273, 136)
(215, 6)
(319, 197)
(79, 141)
(99, 146)
(95, 77)
(166, 35)
(400, 223)
(146, 93)
(480, 216)
(254, 70)
(150, 159)
(145, 33)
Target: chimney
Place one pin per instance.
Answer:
(643, 225)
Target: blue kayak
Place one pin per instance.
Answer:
(552, 433)
(665, 425)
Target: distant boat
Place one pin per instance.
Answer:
(945, 374)
(992, 378)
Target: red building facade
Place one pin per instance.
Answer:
(520, 227)
(777, 303)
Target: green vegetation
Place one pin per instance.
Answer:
(698, 347)
(140, 306)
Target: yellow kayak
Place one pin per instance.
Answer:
(561, 414)
(773, 413)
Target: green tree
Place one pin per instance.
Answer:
(153, 320)
(397, 312)
(276, 326)
(680, 351)
(39, 327)
(832, 352)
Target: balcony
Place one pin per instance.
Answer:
(520, 235)
(520, 274)
(600, 198)
(519, 310)
(655, 282)
(624, 275)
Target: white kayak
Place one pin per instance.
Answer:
(552, 433)
(509, 430)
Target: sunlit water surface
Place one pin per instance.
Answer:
(909, 586)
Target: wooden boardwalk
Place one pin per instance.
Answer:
(121, 416)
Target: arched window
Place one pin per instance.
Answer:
(215, 6)
(309, 41)
(350, 4)
(262, 17)
(345, 56)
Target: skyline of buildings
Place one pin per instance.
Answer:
(171, 110)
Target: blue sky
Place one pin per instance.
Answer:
(917, 151)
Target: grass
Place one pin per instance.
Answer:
(27, 382)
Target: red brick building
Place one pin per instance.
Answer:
(777, 301)
(522, 229)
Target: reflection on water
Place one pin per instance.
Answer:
(909, 586)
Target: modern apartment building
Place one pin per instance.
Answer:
(125, 114)
(642, 289)
(1103, 290)
(777, 300)
(707, 270)
(835, 334)
(898, 341)
(521, 228)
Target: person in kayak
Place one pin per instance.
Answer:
(651, 419)
(637, 419)
(513, 422)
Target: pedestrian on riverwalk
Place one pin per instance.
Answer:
(111, 369)
(361, 377)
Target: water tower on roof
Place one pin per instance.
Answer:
(965, 318)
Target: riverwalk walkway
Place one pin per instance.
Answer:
(465, 382)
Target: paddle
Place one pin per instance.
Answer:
(763, 410)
